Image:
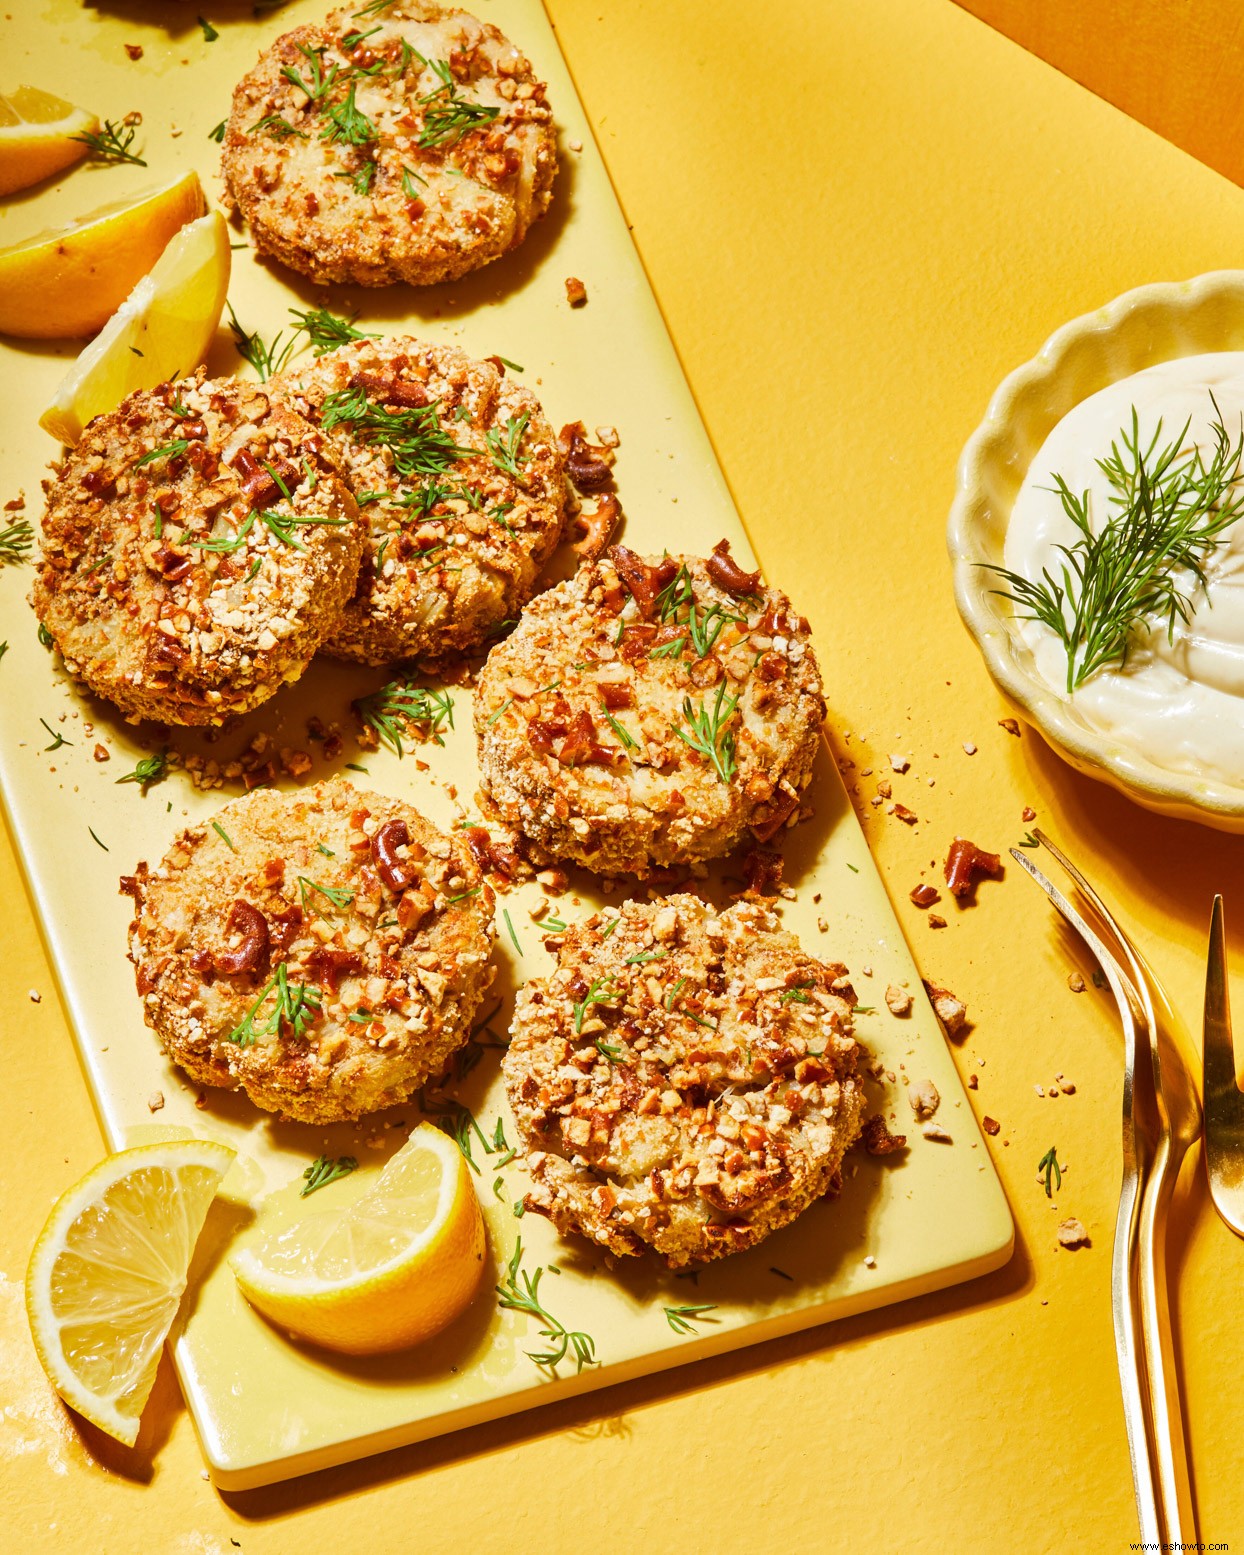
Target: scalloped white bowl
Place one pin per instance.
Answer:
(1151, 324)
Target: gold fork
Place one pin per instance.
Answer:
(1224, 1101)
(1161, 1119)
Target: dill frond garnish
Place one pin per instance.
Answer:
(276, 127)
(266, 358)
(1146, 563)
(294, 1007)
(15, 540)
(682, 1319)
(504, 451)
(113, 143)
(413, 435)
(603, 991)
(324, 1169)
(447, 115)
(319, 82)
(398, 708)
(348, 125)
(326, 331)
(151, 769)
(520, 1292)
(1049, 1165)
(707, 733)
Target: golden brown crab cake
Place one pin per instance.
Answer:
(323, 951)
(408, 144)
(198, 546)
(650, 712)
(685, 1080)
(460, 480)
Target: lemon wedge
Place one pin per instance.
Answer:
(390, 1270)
(37, 134)
(108, 1271)
(71, 280)
(162, 330)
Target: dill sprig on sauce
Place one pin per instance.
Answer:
(683, 1319)
(520, 1292)
(325, 331)
(113, 143)
(1146, 563)
(15, 540)
(151, 769)
(324, 1169)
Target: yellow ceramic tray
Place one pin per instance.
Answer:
(266, 1409)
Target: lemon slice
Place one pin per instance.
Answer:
(108, 1270)
(394, 1268)
(162, 330)
(71, 280)
(37, 136)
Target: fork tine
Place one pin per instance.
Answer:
(1224, 1103)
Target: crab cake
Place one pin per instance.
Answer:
(460, 480)
(323, 951)
(650, 713)
(408, 144)
(198, 545)
(685, 1080)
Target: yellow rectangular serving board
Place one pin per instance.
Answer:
(265, 1408)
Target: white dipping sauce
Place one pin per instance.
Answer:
(1181, 703)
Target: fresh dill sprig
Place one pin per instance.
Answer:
(15, 540)
(361, 178)
(683, 1319)
(1171, 509)
(1028, 840)
(294, 1007)
(504, 451)
(57, 739)
(283, 525)
(339, 897)
(447, 115)
(217, 131)
(348, 125)
(324, 1169)
(319, 82)
(151, 769)
(97, 841)
(224, 836)
(165, 451)
(603, 991)
(398, 707)
(607, 1050)
(372, 8)
(266, 358)
(209, 32)
(704, 629)
(707, 733)
(629, 742)
(326, 331)
(505, 913)
(520, 1292)
(413, 434)
(1049, 1165)
(276, 127)
(113, 143)
(46, 640)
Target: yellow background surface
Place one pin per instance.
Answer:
(857, 220)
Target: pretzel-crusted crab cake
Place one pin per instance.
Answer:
(403, 143)
(198, 546)
(650, 712)
(462, 484)
(323, 951)
(685, 1081)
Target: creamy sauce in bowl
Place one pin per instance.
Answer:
(1180, 702)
